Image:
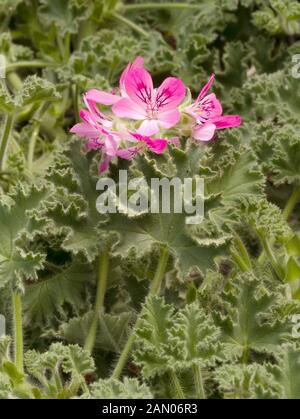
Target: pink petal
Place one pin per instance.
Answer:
(214, 105)
(89, 118)
(85, 130)
(169, 118)
(138, 63)
(157, 145)
(126, 108)
(105, 164)
(139, 87)
(204, 132)
(128, 153)
(175, 141)
(101, 97)
(227, 121)
(111, 146)
(94, 144)
(206, 88)
(148, 127)
(170, 94)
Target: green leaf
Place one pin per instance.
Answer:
(245, 382)
(175, 341)
(17, 263)
(130, 388)
(78, 363)
(66, 16)
(36, 89)
(6, 390)
(250, 319)
(286, 373)
(4, 348)
(48, 367)
(111, 333)
(6, 101)
(72, 210)
(266, 219)
(279, 16)
(45, 298)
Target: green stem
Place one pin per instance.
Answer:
(176, 385)
(287, 211)
(14, 81)
(199, 382)
(18, 331)
(75, 91)
(240, 255)
(101, 290)
(8, 125)
(32, 144)
(269, 252)
(28, 64)
(35, 133)
(129, 23)
(245, 356)
(292, 202)
(160, 272)
(157, 6)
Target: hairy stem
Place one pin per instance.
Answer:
(8, 125)
(32, 144)
(176, 386)
(152, 5)
(240, 255)
(75, 91)
(200, 392)
(160, 272)
(101, 290)
(287, 211)
(28, 64)
(292, 202)
(269, 252)
(132, 25)
(35, 133)
(245, 356)
(18, 330)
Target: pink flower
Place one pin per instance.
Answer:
(94, 96)
(157, 145)
(156, 108)
(99, 134)
(100, 137)
(207, 111)
(205, 107)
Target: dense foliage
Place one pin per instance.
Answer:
(200, 311)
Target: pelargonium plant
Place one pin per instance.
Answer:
(143, 304)
(139, 116)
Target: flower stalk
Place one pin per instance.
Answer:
(101, 290)
(159, 6)
(18, 330)
(200, 392)
(154, 288)
(176, 386)
(8, 126)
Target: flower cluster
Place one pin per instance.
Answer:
(138, 116)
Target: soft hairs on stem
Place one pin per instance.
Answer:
(101, 290)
